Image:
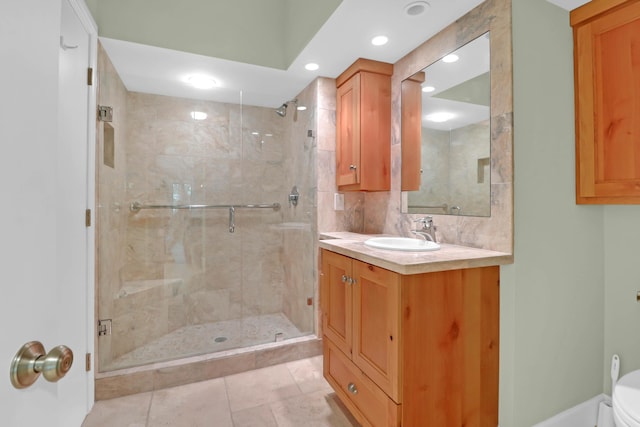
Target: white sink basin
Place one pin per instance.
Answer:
(402, 244)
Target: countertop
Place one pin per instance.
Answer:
(448, 257)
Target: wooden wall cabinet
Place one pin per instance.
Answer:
(411, 350)
(411, 132)
(607, 101)
(363, 127)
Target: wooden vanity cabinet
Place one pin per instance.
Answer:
(607, 101)
(411, 350)
(363, 127)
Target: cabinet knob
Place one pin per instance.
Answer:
(353, 167)
(352, 388)
(344, 278)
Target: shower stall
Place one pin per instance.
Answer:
(200, 250)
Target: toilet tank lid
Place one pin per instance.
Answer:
(627, 394)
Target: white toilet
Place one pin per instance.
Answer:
(626, 400)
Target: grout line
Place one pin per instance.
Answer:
(226, 393)
(149, 408)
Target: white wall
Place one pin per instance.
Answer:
(552, 316)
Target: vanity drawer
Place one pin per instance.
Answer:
(366, 401)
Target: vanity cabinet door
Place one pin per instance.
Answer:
(376, 325)
(606, 52)
(363, 127)
(336, 300)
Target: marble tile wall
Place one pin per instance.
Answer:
(434, 184)
(165, 269)
(470, 188)
(219, 160)
(382, 210)
(454, 178)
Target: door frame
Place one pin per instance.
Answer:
(86, 19)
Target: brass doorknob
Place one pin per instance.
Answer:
(56, 363)
(31, 361)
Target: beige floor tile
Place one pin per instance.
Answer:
(317, 409)
(260, 416)
(287, 395)
(308, 374)
(255, 388)
(129, 411)
(202, 404)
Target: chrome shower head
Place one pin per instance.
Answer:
(282, 110)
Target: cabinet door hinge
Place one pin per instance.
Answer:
(87, 217)
(87, 365)
(90, 76)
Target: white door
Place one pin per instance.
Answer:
(46, 255)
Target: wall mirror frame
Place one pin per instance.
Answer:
(496, 231)
(445, 135)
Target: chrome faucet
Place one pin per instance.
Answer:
(428, 230)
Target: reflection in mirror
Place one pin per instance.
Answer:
(446, 138)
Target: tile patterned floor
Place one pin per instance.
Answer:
(293, 394)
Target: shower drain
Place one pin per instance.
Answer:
(220, 339)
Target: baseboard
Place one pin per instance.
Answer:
(584, 414)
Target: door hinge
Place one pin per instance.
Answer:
(105, 113)
(87, 365)
(104, 327)
(90, 76)
(87, 217)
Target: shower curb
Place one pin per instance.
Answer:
(201, 368)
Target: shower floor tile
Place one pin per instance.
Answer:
(210, 338)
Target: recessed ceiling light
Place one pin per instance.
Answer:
(450, 58)
(311, 66)
(379, 40)
(255, 133)
(439, 117)
(428, 89)
(201, 81)
(301, 108)
(198, 115)
(416, 8)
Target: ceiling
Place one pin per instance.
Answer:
(568, 4)
(155, 45)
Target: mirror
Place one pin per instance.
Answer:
(446, 134)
